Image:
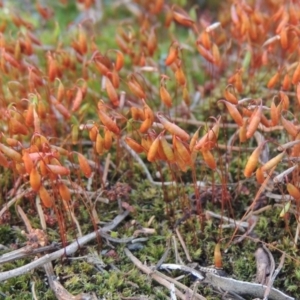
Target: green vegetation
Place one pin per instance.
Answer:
(181, 115)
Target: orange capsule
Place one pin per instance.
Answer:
(296, 75)
(284, 38)
(182, 151)
(180, 163)
(136, 89)
(42, 109)
(286, 83)
(43, 168)
(180, 76)
(172, 55)
(115, 79)
(260, 178)
(17, 127)
(153, 150)
(64, 192)
(142, 60)
(82, 41)
(60, 150)
(208, 141)
(254, 122)
(180, 16)
(274, 79)
(205, 53)
(11, 153)
(20, 168)
(84, 165)
(28, 163)
(99, 144)
(167, 150)
(107, 139)
(218, 256)
(165, 96)
(216, 55)
(173, 128)
(157, 6)
(151, 42)
(265, 121)
(101, 66)
(160, 152)
(186, 96)
(52, 68)
(44, 11)
(265, 57)
(36, 122)
(60, 91)
(12, 142)
(74, 134)
(45, 197)
(212, 136)
(234, 113)
(93, 133)
(275, 112)
(236, 80)
(230, 97)
(145, 126)
(134, 113)
(111, 92)
(58, 170)
(137, 113)
(60, 107)
(3, 161)
(29, 115)
(10, 59)
(35, 179)
(77, 100)
(204, 140)
(108, 122)
(119, 60)
(293, 191)
(283, 22)
(134, 145)
(209, 159)
(243, 131)
(194, 140)
(168, 17)
(252, 161)
(285, 100)
(148, 113)
(205, 40)
(273, 162)
(289, 127)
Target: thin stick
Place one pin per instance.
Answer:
(25, 252)
(33, 291)
(164, 257)
(183, 268)
(182, 286)
(276, 272)
(24, 218)
(155, 275)
(173, 292)
(186, 251)
(72, 248)
(177, 256)
(226, 219)
(12, 202)
(106, 167)
(40, 212)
